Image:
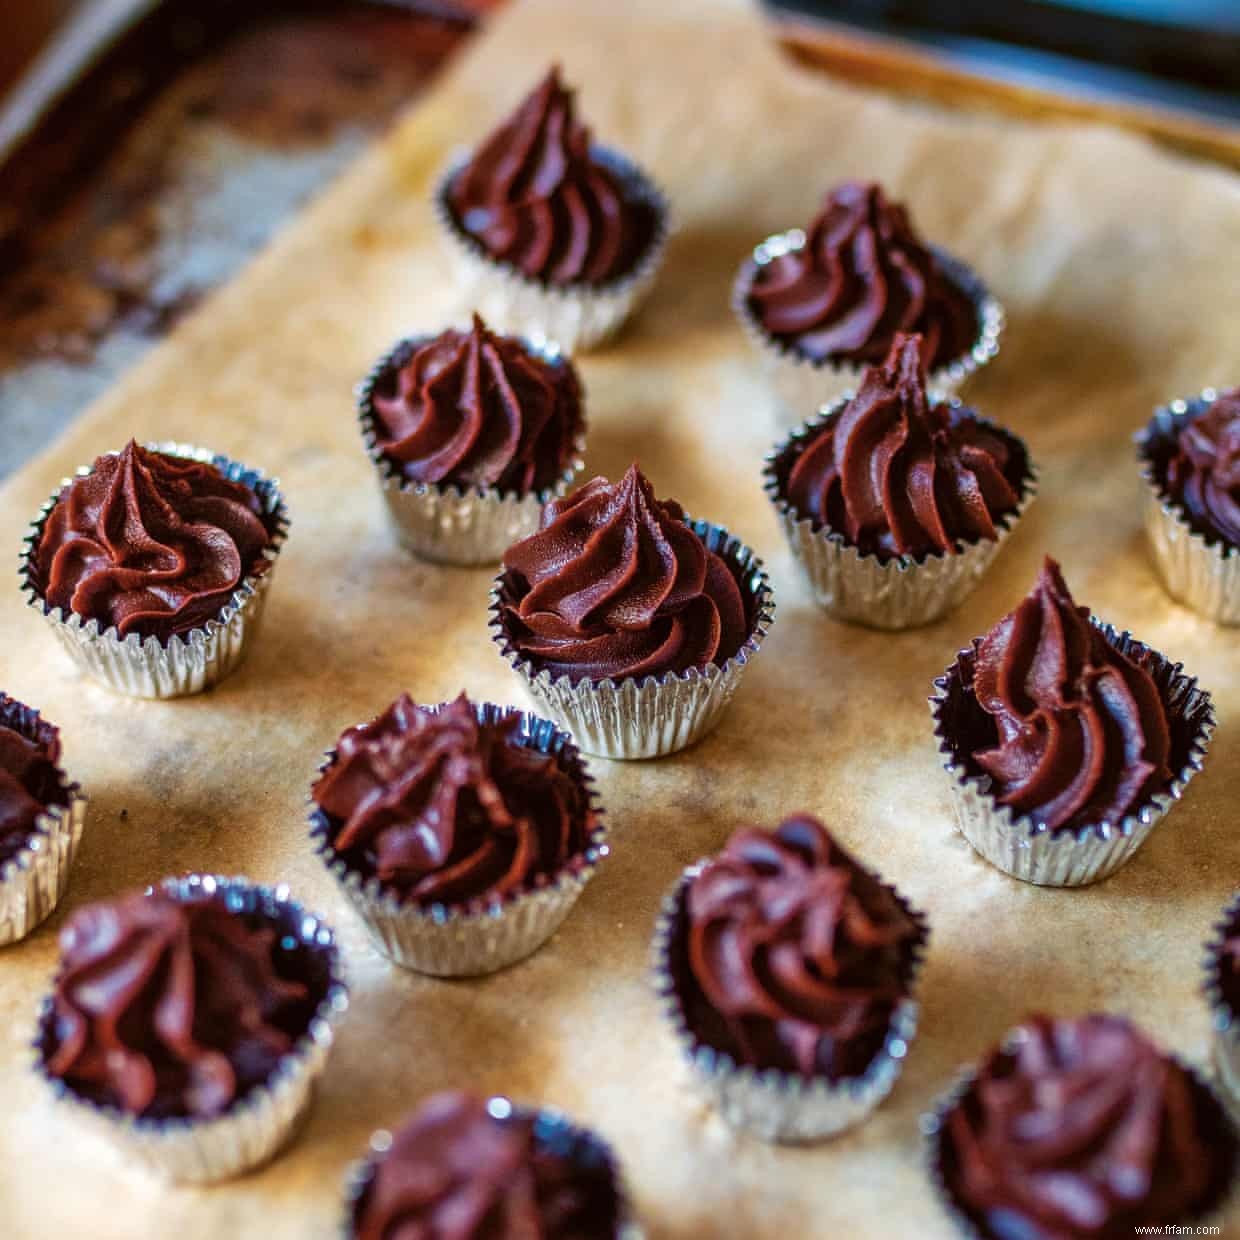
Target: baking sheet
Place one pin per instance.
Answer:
(1119, 267)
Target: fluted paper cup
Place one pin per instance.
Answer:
(447, 523)
(778, 1106)
(553, 1129)
(1202, 574)
(256, 1126)
(146, 667)
(477, 938)
(1021, 846)
(1224, 1019)
(576, 316)
(653, 716)
(803, 385)
(933, 1125)
(901, 592)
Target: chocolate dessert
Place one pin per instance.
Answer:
(30, 779)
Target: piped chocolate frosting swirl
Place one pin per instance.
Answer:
(1083, 1130)
(169, 1007)
(896, 474)
(477, 409)
(1201, 472)
(445, 809)
(795, 957)
(150, 543)
(1081, 733)
(615, 584)
(536, 195)
(30, 780)
(455, 1171)
(862, 276)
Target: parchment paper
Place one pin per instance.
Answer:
(1120, 267)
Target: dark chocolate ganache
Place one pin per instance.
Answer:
(1201, 472)
(30, 780)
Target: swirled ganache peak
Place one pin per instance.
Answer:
(536, 195)
(150, 543)
(29, 779)
(796, 956)
(445, 809)
(1202, 473)
(456, 1171)
(896, 474)
(171, 1007)
(479, 410)
(616, 584)
(1082, 1130)
(1081, 733)
(862, 276)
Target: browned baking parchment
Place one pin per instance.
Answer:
(1120, 267)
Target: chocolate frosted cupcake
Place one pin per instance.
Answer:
(152, 566)
(819, 305)
(1065, 741)
(894, 502)
(1079, 1130)
(787, 972)
(1190, 460)
(471, 433)
(1222, 988)
(462, 834)
(41, 820)
(470, 1169)
(629, 622)
(190, 1022)
(554, 234)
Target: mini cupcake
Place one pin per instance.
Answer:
(152, 566)
(819, 305)
(1079, 1129)
(1065, 742)
(481, 1170)
(1190, 461)
(1222, 986)
(896, 503)
(787, 972)
(462, 834)
(189, 1023)
(553, 234)
(630, 623)
(41, 820)
(471, 433)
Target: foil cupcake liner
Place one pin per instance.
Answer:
(145, 667)
(33, 881)
(782, 1107)
(898, 593)
(254, 1129)
(450, 524)
(933, 1125)
(576, 316)
(1019, 845)
(469, 941)
(654, 716)
(803, 385)
(1224, 1019)
(553, 1127)
(1201, 574)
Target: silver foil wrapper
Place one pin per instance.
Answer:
(32, 882)
(1019, 845)
(575, 316)
(1224, 1019)
(145, 667)
(803, 385)
(655, 716)
(449, 941)
(778, 1106)
(450, 524)
(897, 593)
(1201, 574)
(552, 1127)
(253, 1130)
(933, 1126)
